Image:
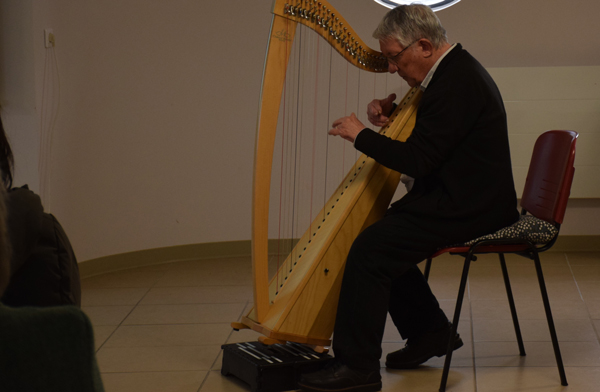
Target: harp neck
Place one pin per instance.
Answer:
(324, 19)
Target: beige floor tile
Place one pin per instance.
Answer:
(523, 290)
(551, 273)
(539, 354)
(546, 258)
(204, 277)
(169, 335)
(586, 272)
(107, 315)
(486, 288)
(127, 278)
(215, 382)
(597, 326)
(538, 379)
(523, 269)
(590, 290)
(112, 296)
(174, 317)
(427, 379)
(583, 258)
(154, 267)
(593, 307)
(184, 314)
(533, 330)
(156, 359)
(196, 295)
(563, 290)
(227, 263)
(445, 288)
(154, 381)
(102, 333)
(499, 309)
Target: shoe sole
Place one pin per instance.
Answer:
(376, 387)
(411, 365)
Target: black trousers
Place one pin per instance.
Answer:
(381, 275)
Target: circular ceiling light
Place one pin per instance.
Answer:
(435, 5)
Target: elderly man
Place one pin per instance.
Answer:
(458, 156)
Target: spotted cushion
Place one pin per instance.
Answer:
(528, 228)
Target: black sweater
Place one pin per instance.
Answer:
(458, 154)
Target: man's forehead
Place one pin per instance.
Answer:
(389, 45)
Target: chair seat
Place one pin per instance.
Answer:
(528, 227)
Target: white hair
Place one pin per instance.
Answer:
(409, 23)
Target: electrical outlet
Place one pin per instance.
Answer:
(49, 38)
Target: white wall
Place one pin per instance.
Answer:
(153, 141)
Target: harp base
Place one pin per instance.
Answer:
(248, 362)
(283, 336)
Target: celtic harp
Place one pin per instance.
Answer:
(302, 307)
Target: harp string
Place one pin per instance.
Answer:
(305, 119)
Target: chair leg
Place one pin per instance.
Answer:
(427, 269)
(559, 362)
(511, 303)
(457, 309)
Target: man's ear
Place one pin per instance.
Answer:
(426, 47)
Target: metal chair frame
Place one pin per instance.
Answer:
(520, 247)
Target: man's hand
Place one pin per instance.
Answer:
(379, 110)
(347, 127)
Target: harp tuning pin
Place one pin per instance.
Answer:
(326, 271)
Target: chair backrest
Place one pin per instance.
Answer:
(548, 183)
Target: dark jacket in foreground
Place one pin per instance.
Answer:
(458, 154)
(43, 267)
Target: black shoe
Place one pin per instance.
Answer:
(420, 349)
(339, 377)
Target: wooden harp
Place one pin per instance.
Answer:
(303, 308)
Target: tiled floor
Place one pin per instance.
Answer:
(160, 328)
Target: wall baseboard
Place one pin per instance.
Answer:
(215, 250)
(142, 258)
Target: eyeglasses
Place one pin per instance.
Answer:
(393, 59)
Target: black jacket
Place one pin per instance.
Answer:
(458, 154)
(44, 270)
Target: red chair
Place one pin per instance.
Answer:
(544, 200)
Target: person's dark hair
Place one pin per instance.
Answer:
(6, 159)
